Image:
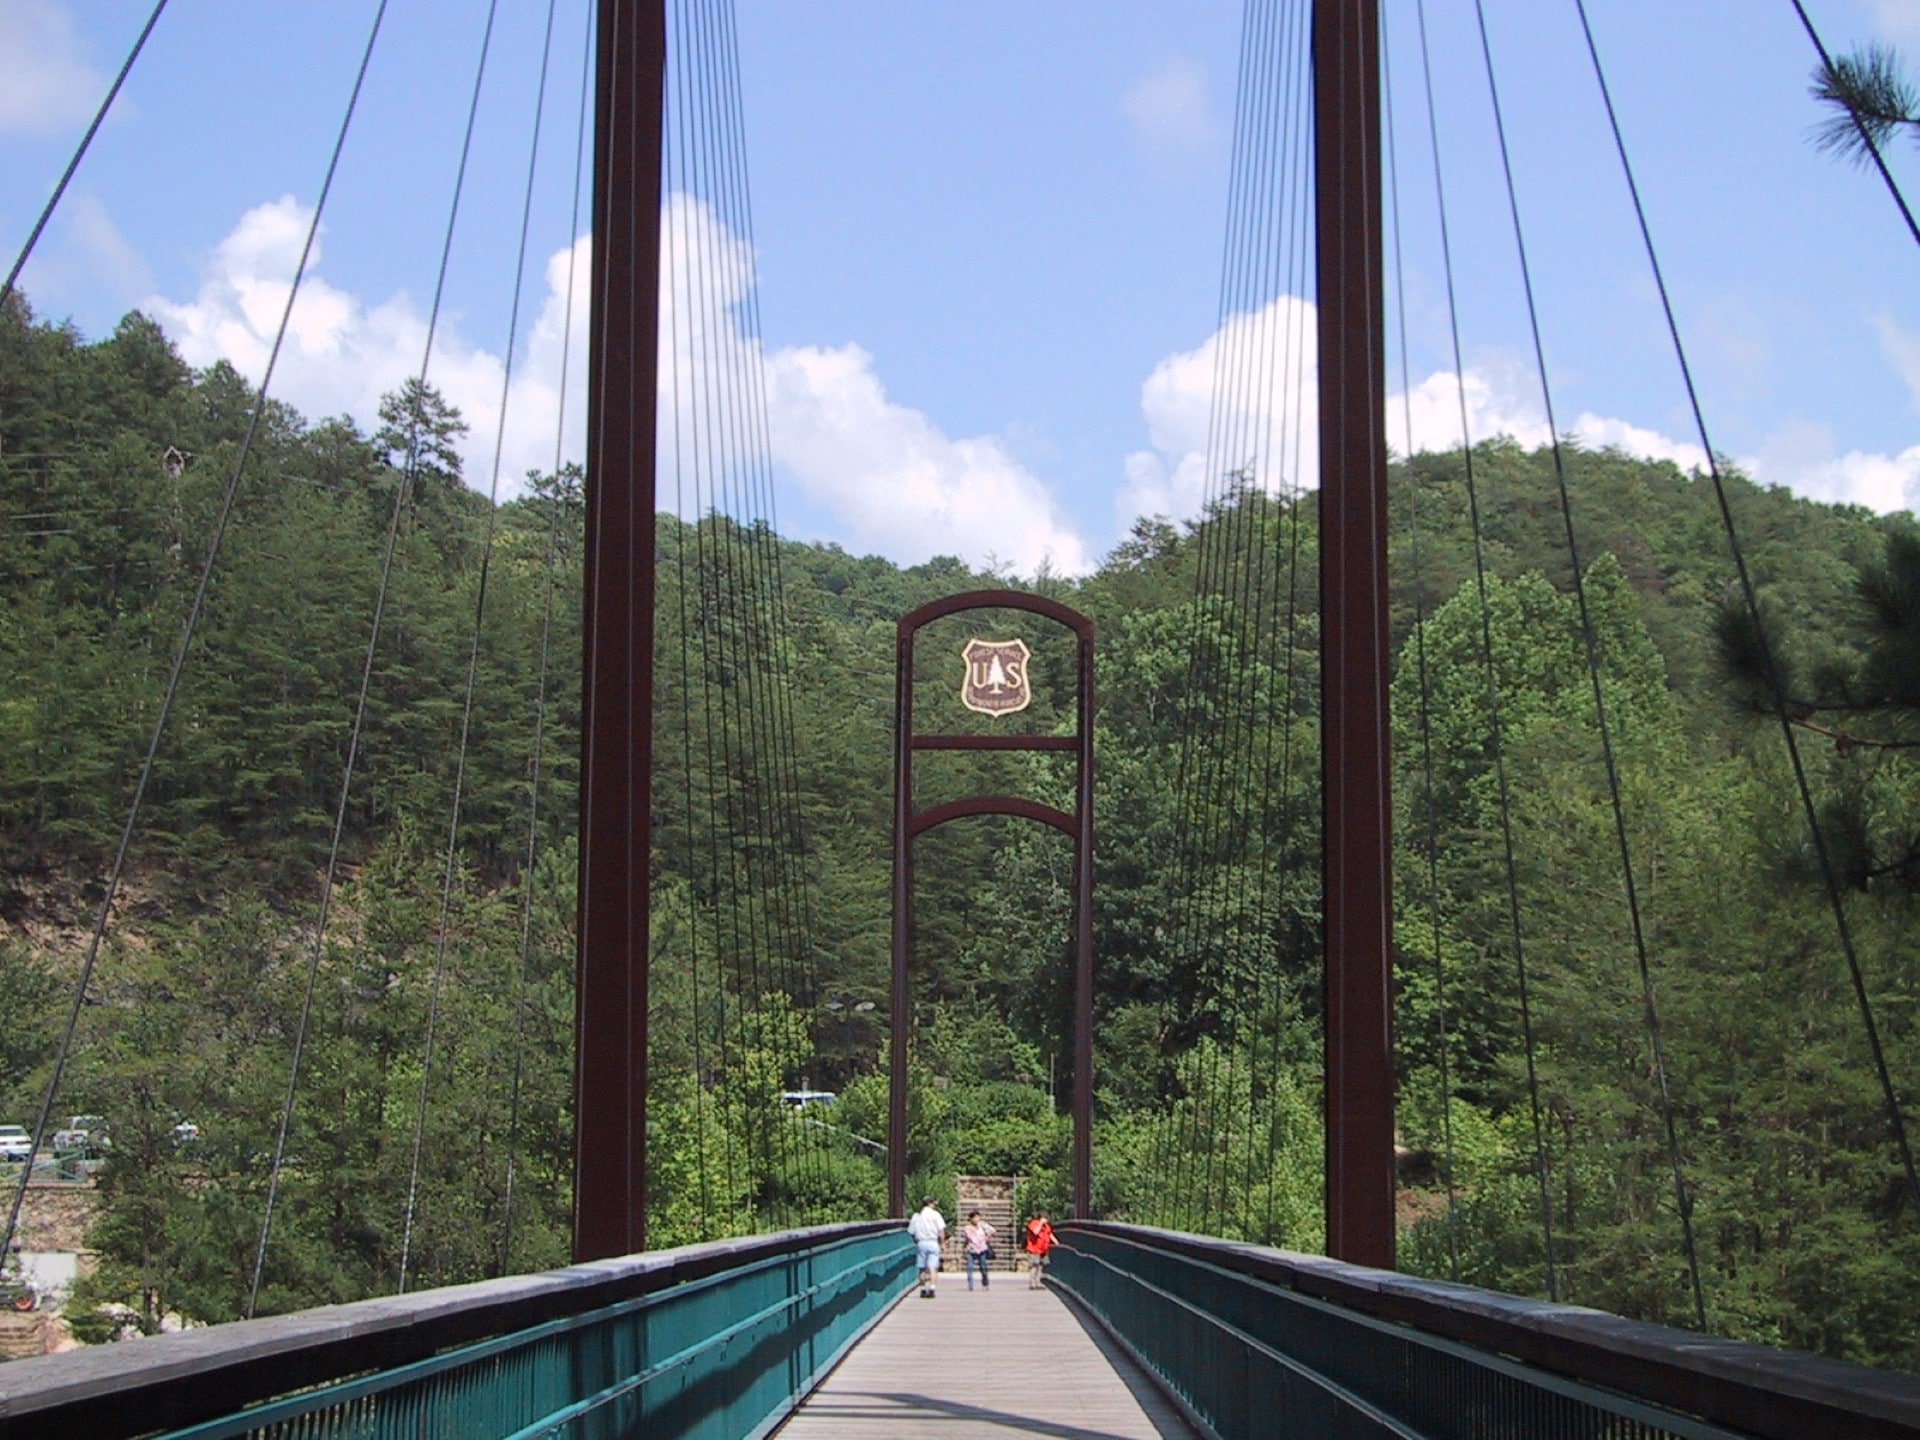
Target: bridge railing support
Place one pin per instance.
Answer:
(717, 1340)
(1260, 1341)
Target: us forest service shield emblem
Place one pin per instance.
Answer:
(996, 682)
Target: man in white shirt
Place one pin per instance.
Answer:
(928, 1228)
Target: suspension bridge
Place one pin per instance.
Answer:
(494, 1041)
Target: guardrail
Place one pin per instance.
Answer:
(1256, 1341)
(716, 1340)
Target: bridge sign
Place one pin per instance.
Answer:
(996, 682)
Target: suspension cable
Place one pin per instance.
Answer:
(194, 611)
(782, 876)
(53, 200)
(1683, 1201)
(1496, 732)
(787, 820)
(1177, 1130)
(402, 489)
(1896, 1120)
(451, 867)
(1866, 136)
(1420, 662)
(537, 753)
(1233, 456)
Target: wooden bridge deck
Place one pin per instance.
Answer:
(1003, 1361)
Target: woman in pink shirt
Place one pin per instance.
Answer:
(979, 1237)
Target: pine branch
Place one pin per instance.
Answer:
(1873, 100)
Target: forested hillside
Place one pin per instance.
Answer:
(114, 458)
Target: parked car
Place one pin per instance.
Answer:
(15, 1144)
(84, 1134)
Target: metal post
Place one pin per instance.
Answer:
(900, 1011)
(610, 1027)
(1083, 949)
(1353, 609)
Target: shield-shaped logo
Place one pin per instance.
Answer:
(996, 682)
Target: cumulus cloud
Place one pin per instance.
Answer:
(1242, 401)
(884, 475)
(889, 478)
(1803, 456)
(45, 82)
(1169, 112)
(1246, 401)
(342, 353)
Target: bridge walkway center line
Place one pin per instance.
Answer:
(1005, 1361)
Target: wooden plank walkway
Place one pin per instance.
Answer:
(1002, 1361)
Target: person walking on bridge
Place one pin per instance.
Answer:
(1039, 1242)
(928, 1228)
(979, 1234)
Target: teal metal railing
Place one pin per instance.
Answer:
(1258, 1342)
(720, 1342)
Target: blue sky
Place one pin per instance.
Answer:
(987, 237)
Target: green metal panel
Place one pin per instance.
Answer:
(1253, 1358)
(722, 1358)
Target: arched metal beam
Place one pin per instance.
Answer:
(926, 820)
(907, 825)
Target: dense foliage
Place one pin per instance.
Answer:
(114, 458)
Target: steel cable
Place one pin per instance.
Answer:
(1542, 1168)
(1896, 1119)
(537, 750)
(450, 869)
(79, 154)
(1683, 1200)
(1420, 663)
(402, 490)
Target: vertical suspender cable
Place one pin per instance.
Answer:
(1683, 1201)
(1420, 663)
(186, 638)
(1542, 1168)
(402, 490)
(537, 753)
(1896, 1119)
(450, 868)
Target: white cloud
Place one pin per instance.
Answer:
(1802, 456)
(1265, 366)
(45, 84)
(898, 483)
(341, 354)
(1266, 420)
(93, 263)
(885, 475)
(1169, 112)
